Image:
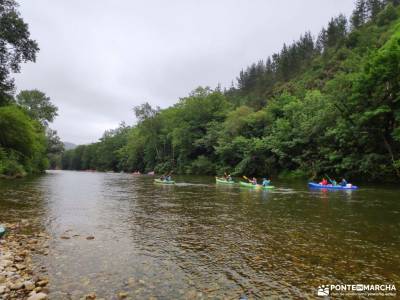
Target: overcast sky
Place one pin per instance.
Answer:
(100, 58)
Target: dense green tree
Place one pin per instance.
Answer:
(22, 140)
(15, 47)
(55, 148)
(359, 16)
(37, 105)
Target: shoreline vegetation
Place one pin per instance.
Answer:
(328, 104)
(19, 277)
(27, 144)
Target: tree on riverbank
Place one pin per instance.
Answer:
(15, 47)
(24, 145)
(321, 105)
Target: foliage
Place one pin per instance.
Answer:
(37, 105)
(24, 145)
(22, 139)
(15, 47)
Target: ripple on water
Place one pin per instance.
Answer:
(201, 240)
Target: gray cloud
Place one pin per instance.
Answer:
(99, 58)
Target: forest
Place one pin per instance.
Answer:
(328, 104)
(27, 144)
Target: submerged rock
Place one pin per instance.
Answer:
(122, 295)
(38, 296)
(90, 296)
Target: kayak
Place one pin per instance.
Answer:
(2, 231)
(223, 181)
(164, 181)
(332, 187)
(258, 186)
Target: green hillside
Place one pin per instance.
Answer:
(323, 105)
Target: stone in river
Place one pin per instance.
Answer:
(90, 237)
(2, 289)
(38, 296)
(191, 294)
(64, 237)
(6, 263)
(29, 285)
(90, 296)
(122, 295)
(16, 286)
(20, 266)
(43, 282)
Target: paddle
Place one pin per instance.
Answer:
(250, 180)
(330, 180)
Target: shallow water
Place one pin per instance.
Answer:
(200, 240)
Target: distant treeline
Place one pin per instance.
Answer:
(324, 105)
(27, 144)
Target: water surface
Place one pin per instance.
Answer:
(197, 240)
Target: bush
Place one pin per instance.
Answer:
(9, 164)
(201, 166)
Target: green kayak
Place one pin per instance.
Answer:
(223, 181)
(164, 181)
(257, 187)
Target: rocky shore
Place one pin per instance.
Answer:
(18, 277)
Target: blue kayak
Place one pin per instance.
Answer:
(331, 187)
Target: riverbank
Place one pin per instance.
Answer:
(19, 278)
(21, 175)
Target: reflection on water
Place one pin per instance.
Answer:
(199, 240)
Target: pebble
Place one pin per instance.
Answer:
(6, 263)
(38, 296)
(16, 286)
(42, 283)
(16, 272)
(90, 296)
(90, 237)
(29, 285)
(20, 266)
(122, 295)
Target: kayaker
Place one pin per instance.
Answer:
(324, 182)
(334, 183)
(343, 182)
(228, 177)
(253, 181)
(169, 178)
(266, 182)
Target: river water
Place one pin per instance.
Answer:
(198, 240)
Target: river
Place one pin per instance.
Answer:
(198, 240)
